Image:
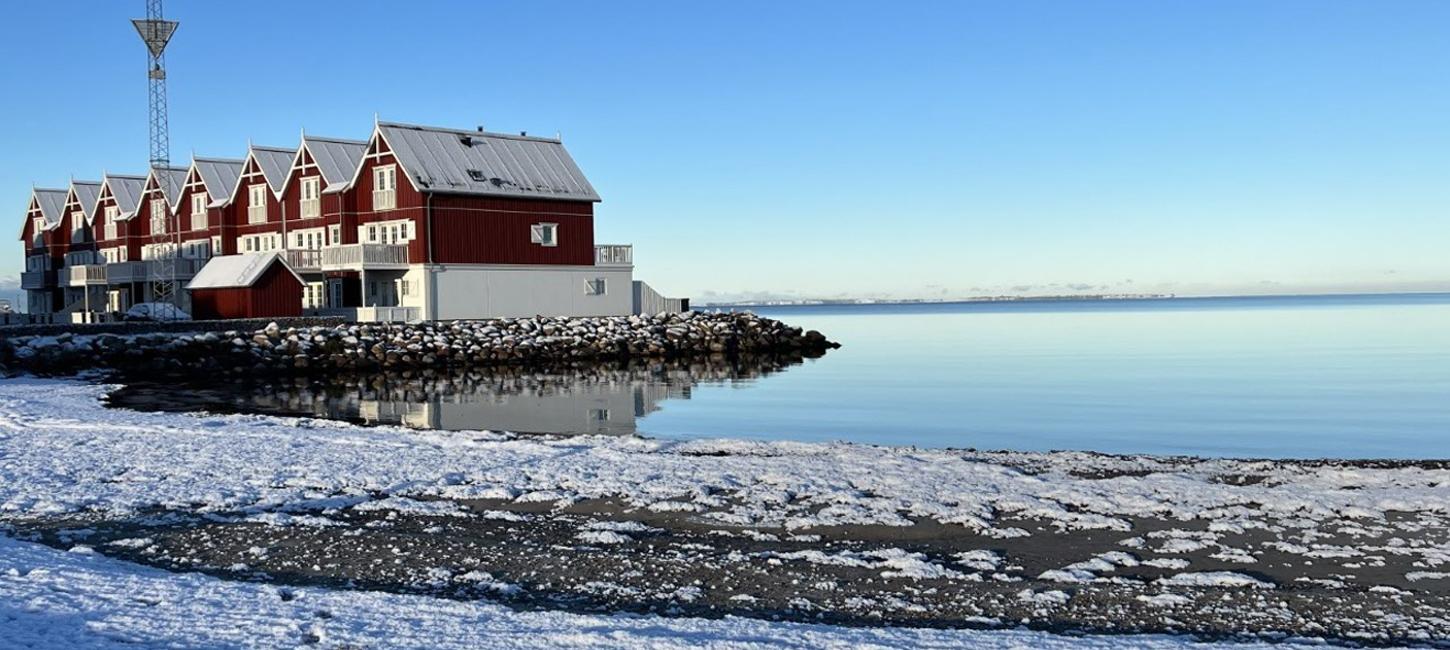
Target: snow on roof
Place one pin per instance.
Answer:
(475, 162)
(127, 191)
(220, 176)
(338, 159)
(86, 193)
(274, 162)
(231, 271)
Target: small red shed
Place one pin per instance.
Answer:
(253, 285)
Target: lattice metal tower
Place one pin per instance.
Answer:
(156, 33)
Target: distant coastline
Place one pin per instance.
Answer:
(845, 302)
(935, 301)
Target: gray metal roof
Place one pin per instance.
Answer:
(171, 180)
(220, 176)
(275, 162)
(127, 190)
(52, 204)
(494, 164)
(86, 193)
(338, 159)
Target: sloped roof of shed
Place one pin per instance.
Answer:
(471, 162)
(236, 271)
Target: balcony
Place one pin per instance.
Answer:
(82, 275)
(354, 257)
(37, 279)
(303, 260)
(613, 255)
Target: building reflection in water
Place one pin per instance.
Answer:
(605, 399)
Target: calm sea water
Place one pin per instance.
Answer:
(1341, 376)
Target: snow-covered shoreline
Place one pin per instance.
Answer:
(80, 600)
(65, 456)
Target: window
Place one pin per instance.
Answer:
(158, 221)
(403, 287)
(334, 235)
(198, 249)
(257, 203)
(312, 295)
(37, 226)
(158, 206)
(544, 234)
(310, 239)
(198, 211)
(259, 243)
(594, 287)
(110, 226)
(216, 245)
(386, 232)
(385, 186)
(311, 198)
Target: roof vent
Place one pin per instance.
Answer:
(467, 140)
(524, 133)
(477, 175)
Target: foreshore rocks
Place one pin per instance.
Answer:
(362, 346)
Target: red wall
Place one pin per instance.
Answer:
(276, 294)
(478, 230)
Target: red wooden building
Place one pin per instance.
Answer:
(251, 285)
(412, 223)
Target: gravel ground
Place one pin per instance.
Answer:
(600, 556)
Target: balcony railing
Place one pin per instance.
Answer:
(86, 274)
(364, 256)
(37, 279)
(304, 259)
(613, 255)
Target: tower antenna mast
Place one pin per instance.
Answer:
(156, 32)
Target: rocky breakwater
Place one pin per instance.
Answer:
(507, 341)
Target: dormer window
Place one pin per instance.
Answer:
(385, 186)
(544, 234)
(257, 203)
(37, 226)
(311, 197)
(198, 211)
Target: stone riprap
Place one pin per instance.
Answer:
(522, 341)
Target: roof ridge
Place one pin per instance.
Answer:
(475, 133)
(266, 148)
(127, 176)
(226, 160)
(340, 140)
(74, 182)
(46, 189)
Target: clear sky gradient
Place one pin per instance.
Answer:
(835, 148)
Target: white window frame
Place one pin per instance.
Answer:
(158, 206)
(198, 211)
(216, 245)
(544, 234)
(385, 187)
(334, 235)
(109, 231)
(311, 203)
(37, 226)
(257, 203)
(596, 287)
(397, 231)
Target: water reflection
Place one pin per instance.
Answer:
(605, 399)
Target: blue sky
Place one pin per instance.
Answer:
(836, 148)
